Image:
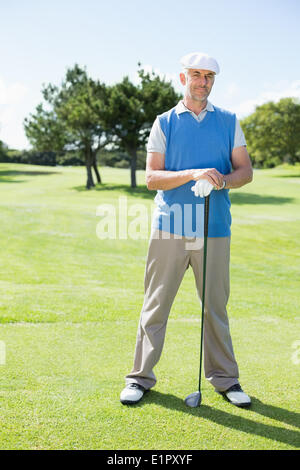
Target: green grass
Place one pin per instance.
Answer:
(70, 304)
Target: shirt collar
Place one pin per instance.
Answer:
(181, 108)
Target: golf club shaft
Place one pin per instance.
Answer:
(206, 214)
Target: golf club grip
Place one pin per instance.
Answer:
(206, 213)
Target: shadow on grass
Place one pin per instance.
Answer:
(8, 176)
(143, 192)
(276, 433)
(289, 175)
(246, 198)
(139, 191)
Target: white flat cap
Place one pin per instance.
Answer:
(199, 60)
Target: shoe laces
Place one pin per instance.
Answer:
(134, 385)
(235, 388)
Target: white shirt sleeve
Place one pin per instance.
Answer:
(239, 138)
(157, 139)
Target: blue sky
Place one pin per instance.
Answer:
(256, 43)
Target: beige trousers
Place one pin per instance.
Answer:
(166, 264)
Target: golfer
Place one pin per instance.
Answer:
(194, 150)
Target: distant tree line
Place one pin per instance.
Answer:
(85, 122)
(113, 158)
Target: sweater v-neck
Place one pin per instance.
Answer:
(203, 121)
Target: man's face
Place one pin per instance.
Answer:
(198, 83)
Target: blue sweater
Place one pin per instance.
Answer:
(192, 144)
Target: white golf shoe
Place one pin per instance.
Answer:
(236, 396)
(132, 394)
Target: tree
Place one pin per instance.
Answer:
(273, 133)
(74, 119)
(45, 131)
(3, 150)
(132, 109)
(87, 115)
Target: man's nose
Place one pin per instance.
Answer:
(203, 81)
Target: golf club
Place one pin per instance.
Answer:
(194, 399)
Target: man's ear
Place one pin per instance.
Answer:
(182, 78)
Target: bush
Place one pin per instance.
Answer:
(70, 159)
(141, 160)
(32, 157)
(3, 152)
(121, 160)
(122, 164)
(112, 158)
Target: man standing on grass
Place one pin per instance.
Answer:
(194, 149)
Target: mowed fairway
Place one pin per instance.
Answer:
(70, 304)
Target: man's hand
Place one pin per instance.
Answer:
(202, 188)
(212, 175)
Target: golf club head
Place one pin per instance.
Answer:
(193, 400)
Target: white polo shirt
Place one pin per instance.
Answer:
(157, 139)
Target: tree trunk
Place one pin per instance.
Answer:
(133, 155)
(89, 182)
(88, 163)
(94, 164)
